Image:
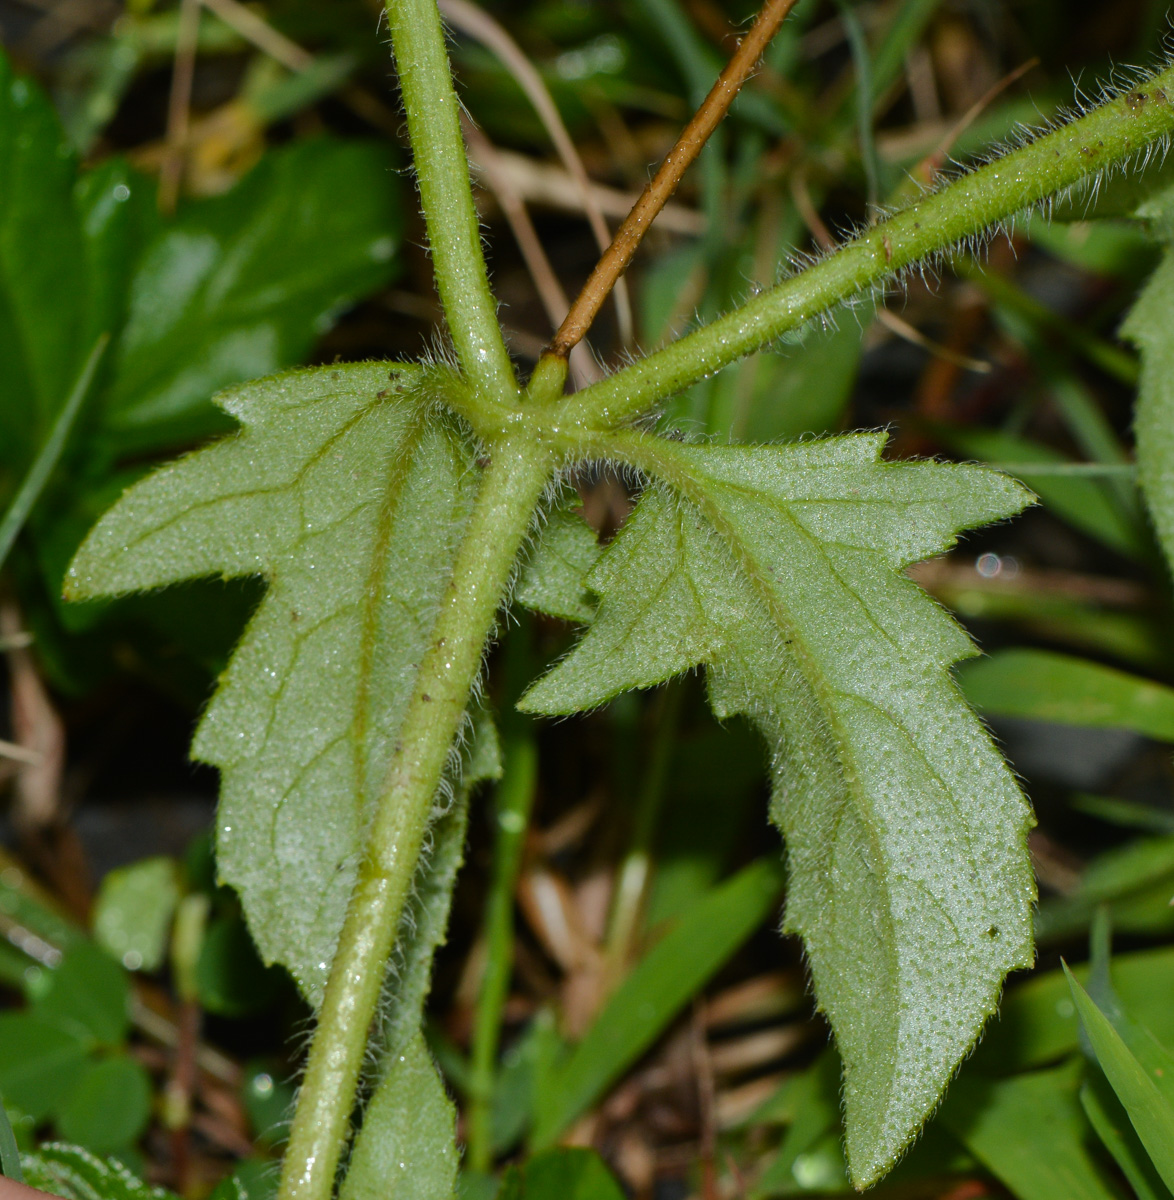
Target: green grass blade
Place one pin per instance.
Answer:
(656, 991)
(1070, 691)
(1029, 1132)
(50, 452)
(9, 1150)
(1152, 1116)
(1111, 1124)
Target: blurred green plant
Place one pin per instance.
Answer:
(344, 481)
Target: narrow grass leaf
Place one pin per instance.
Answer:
(650, 998)
(1111, 1124)
(1148, 1109)
(1046, 686)
(1029, 1132)
(9, 1150)
(38, 474)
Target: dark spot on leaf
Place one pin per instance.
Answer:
(993, 931)
(426, 698)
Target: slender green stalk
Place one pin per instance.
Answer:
(442, 170)
(515, 798)
(50, 452)
(510, 488)
(632, 879)
(1115, 131)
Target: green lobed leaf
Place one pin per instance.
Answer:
(406, 1149)
(551, 580)
(1148, 326)
(348, 496)
(1072, 691)
(778, 568)
(76, 1174)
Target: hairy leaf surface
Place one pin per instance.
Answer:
(348, 495)
(778, 567)
(406, 1149)
(552, 577)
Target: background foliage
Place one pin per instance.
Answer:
(647, 1008)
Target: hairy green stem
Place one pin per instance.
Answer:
(510, 489)
(442, 170)
(515, 798)
(1115, 131)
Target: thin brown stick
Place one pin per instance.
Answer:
(479, 24)
(179, 105)
(704, 121)
(257, 30)
(928, 169)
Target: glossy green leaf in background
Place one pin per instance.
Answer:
(1073, 691)
(240, 286)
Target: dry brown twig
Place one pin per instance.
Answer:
(179, 104)
(479, 24)
(678, 160)
(39, 733)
